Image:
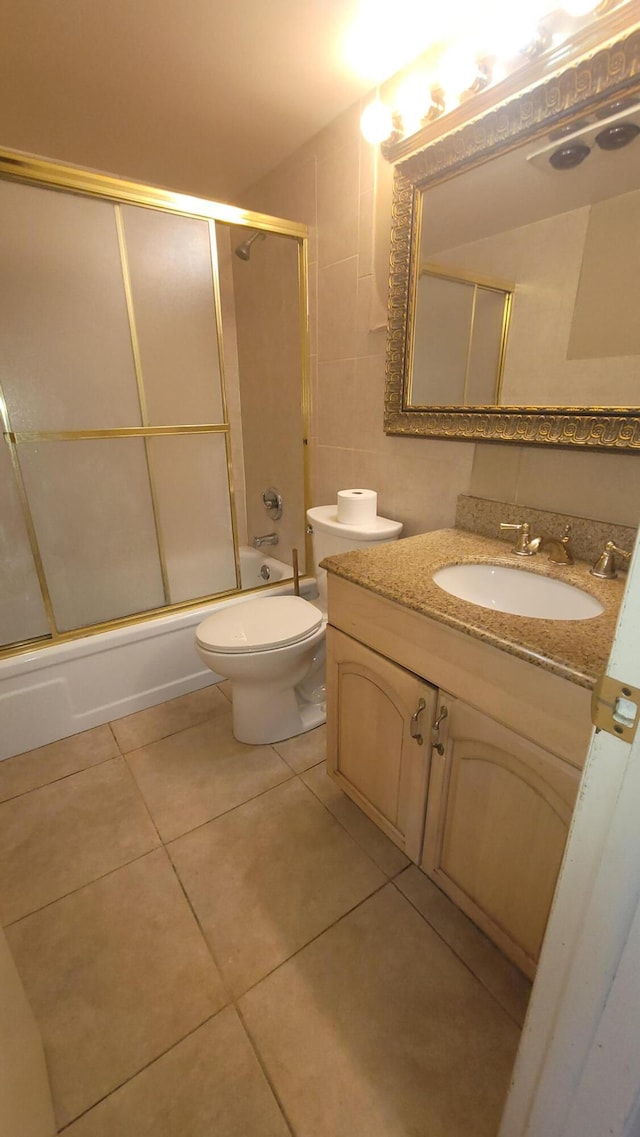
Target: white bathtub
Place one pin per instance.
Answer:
(256, 569)
(61, 689)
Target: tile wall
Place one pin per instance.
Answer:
(335, 185)
(330, 184)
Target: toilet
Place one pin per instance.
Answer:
(272, 648)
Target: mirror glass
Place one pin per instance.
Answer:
(558, 246)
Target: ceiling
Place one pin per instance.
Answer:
(201, 95)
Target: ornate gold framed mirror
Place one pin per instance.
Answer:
(514, 302)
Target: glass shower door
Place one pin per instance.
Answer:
(114, 477)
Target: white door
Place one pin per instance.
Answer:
(577, 1073)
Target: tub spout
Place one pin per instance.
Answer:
(267, 539)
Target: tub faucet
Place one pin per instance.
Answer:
(267, 539)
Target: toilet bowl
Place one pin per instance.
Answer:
(272, 648)
(267, 647)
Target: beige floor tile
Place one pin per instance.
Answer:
(200, 773)
(209, 1085)
(116, 974)
(167, 718)
(377, 1030)
(225, 689)
(387, 856)
(305, 750)
(268, 877)
(59, 837)
(508, 985)
(48, 763)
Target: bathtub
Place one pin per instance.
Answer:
(61, 689)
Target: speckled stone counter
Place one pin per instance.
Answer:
(576, 650)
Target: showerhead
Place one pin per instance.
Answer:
(244, 250)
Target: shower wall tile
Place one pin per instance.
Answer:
(367, 431)
(371, 337)
(495, 472)
(338, 205)
(337, 309)
(365, 232)
(603, 487)
(331, 468)
(347, 317)
(267, 299)
(313, 308)
(613, 482)
(416, 479)
(336, 381)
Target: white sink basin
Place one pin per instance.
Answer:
(516, 591)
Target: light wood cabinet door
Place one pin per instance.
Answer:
(497, 822)
(379, 720)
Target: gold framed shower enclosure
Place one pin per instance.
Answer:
(149, 431)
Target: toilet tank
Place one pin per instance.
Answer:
(331, 536)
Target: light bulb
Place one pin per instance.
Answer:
(457, 71)
(376, 122)
(413, 101)
(510, 28)
(578, 8)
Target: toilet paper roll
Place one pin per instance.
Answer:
(357, 507)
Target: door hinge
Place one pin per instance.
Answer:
(615, 707)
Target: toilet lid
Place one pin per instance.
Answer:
(257, 625)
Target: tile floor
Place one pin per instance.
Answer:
(215, 940)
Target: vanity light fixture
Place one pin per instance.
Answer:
(521, 34)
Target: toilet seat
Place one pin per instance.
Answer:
(259, 625)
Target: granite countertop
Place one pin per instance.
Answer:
(577, 650)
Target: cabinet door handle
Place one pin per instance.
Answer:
(414, 725)
(435, 731)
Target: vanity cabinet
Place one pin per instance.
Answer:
(497, 820)
(486, 811)
(380, 746)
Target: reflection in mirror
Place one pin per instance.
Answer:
(460, 337)
(569, 240)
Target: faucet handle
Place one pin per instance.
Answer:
(522, 547)
(605, 566)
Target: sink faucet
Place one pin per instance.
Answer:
(267, 539)
(559, 548)
(605, 566)
(525, 545)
